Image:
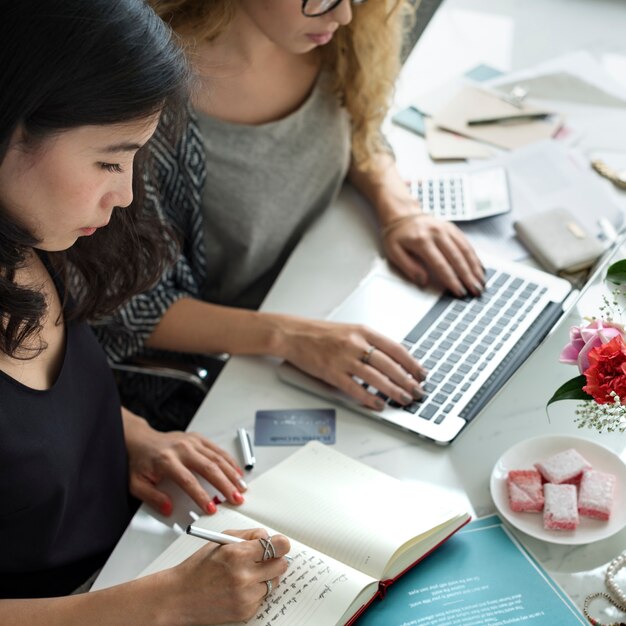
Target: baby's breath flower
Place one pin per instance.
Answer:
(611, 310)
(602, 417)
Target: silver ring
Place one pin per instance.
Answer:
(269, 552)
(367, 355)
(270, 586)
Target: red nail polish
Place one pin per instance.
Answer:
(217, 500)
(237, 497)
(211, 508)
(166, 508)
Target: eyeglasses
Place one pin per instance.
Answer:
(315, 8)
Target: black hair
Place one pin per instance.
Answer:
(70, 63)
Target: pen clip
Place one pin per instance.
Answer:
(246, 448)
(249, 442)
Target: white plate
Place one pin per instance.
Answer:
(524, 454)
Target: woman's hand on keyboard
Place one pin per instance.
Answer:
(428, 246)
(339, 353)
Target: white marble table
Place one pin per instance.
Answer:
(331, 259)
(461, 469)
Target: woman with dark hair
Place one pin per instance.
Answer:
(82, 86)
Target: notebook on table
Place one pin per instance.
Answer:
(345, 550)
(470, 346)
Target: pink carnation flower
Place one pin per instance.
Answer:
(584, 338)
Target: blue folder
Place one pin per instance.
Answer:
(480, 576)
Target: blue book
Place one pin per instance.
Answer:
(480, 576)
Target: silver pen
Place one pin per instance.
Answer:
(246, 448)
(216, 537)
(211, 535)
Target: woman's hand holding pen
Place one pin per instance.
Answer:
(228, 583)
(154, 456)
(336, 353)
(423, 245)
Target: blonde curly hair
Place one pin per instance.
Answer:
(363, 57)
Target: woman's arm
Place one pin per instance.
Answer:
(213, 586)
(143, 601)
(327, 350)
(416, 243)
(192, 325)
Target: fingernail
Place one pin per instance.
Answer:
(418, 392)
(240, 470)
(479, 287)
(217, 500)
(242, 483)
(379, 404)
(166, 508)
(406, 398)
(210, 508)
(237, 497)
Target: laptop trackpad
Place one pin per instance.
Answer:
(387, 304)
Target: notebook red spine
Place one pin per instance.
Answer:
(384, 585)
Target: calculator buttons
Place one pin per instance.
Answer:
(464, 196)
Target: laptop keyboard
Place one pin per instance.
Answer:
(458, 339)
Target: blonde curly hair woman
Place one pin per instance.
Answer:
(290, 98)
(363, 56)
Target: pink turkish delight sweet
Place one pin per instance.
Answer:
(560, 511)
(564, 467)
(525, 490)
(596, 494)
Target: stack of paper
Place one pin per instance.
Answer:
(576, 86)
(471, 103)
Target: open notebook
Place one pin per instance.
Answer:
(353, 531)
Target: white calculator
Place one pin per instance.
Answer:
(463, 196)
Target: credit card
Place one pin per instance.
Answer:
(294, 427)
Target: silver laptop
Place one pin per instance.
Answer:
(470, 346)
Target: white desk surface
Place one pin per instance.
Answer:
(338, 251)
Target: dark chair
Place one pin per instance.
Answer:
(200, 375)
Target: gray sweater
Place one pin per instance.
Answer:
(265, 184)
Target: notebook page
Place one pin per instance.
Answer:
(342, 507)
(315, 590)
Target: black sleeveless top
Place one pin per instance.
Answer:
(64, 498)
